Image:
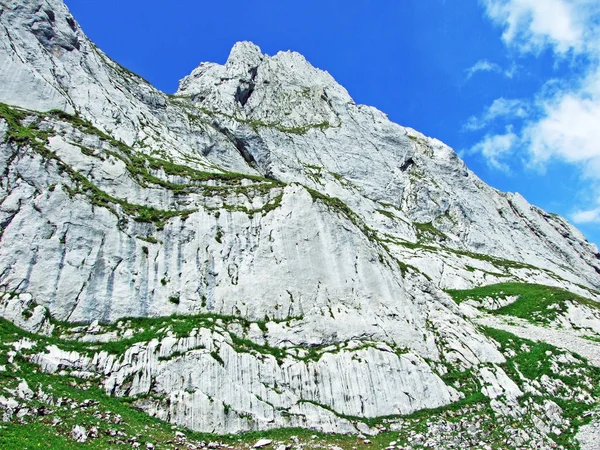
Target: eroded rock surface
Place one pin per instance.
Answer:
(308, 236)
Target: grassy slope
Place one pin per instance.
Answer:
(531, 360)
(536, 303)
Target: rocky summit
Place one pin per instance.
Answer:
(258, 261)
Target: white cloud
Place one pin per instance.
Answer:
(561, 125)
(511, 71)
(501, 108)
(562, 122)
(533, 24)
(496, 148)
(589, 216)
(569, 129)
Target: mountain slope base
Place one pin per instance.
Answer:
(38, 407)
(259, 256)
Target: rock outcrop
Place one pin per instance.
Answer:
(262, 197)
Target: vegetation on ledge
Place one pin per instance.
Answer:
(534, 302)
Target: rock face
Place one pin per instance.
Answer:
(262, 195)
(197, 373)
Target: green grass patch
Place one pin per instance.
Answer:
(536, 303)
(427, 231)
(257, 124)
(531, 361)
(140, 166)
(386, 213)
(504, 264)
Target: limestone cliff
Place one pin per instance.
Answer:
(305, 239)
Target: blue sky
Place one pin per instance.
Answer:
(512, 85)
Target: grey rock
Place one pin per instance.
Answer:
(347, 252)
(79, 434)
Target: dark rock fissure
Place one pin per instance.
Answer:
(5, 224)
(240, 145)
(243, 149)
(407, 164)
(51, 15)
(243, 93)
(72, 24)
(246, 88)
(253, 71)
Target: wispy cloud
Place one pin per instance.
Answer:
(482, 66)
(486, 66)
(501, 108)
(496, 148)
(587, 216)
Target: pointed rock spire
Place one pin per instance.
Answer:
(245, 53)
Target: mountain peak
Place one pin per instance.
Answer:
(284, 88)
(244, 52)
